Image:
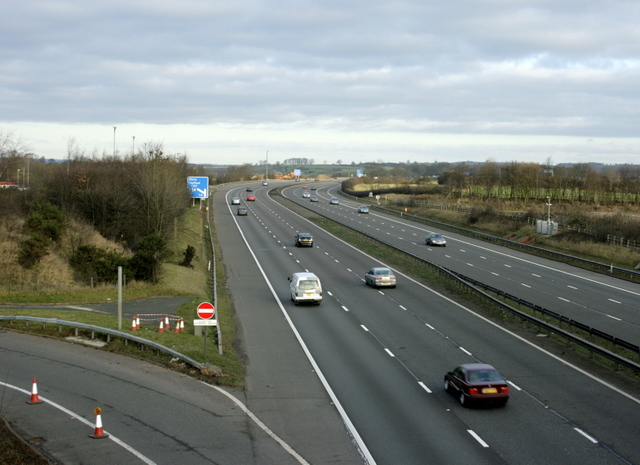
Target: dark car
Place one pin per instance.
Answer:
(242, 211)
(251, 198)
(477, 382)
(334, 201)
(304, 240)
(436, 239)
(313, 188)
(363, 209)
(380, 277)
(249, 189)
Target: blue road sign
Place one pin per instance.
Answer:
(199, 187)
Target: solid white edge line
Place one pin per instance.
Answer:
(75, 416)
(366, 455)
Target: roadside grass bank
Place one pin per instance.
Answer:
(193, 282)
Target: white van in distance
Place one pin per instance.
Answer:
(305, 287)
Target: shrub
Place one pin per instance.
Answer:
(89, 261)
(32, 250)
(46, 220)
(189, 255)
(147, 259)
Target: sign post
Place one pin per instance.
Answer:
(205, 311)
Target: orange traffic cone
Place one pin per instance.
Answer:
(167, 325)
(177, 327)
(138, 322)
(161, 328)
(35, 399)
(98, 432)
(182, 325)
(133, 325)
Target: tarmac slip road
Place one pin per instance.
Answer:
(152, 415)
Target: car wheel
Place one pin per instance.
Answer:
(463, 400)
(446, 385)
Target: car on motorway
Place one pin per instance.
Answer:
(251, 198)
(265, 183)
(249, 189)
(313, 188)
(303, 240)
(235, 200)
(305, 187)
(363, 209)
(306, 195)
(380, 277)
(436, 239)
(305, 287)
(477, 382)
(242, 211)
(314, 198)
(334, 201)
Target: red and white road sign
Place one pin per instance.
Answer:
(206, 310)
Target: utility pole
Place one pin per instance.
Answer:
(266, 175)
(114, 142)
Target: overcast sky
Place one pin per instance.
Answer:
(350, 80)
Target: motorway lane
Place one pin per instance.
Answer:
(557, 388)
(403, 433)
(601, 301)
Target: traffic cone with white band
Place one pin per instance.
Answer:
(98, 432)
(35, 398)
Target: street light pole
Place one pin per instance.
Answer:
(133, 150)
(18, 176)
(548, 216)
(114, 142)
(266, 175)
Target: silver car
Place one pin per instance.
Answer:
(235, 201)
(334, 201)
(380, 277)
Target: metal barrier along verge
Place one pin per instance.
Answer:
(110, 332)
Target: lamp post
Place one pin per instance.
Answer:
(266, 175)
(133, 146)
(114, 141)
(548, 216)
(18, 176)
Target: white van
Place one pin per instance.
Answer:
(305, 287)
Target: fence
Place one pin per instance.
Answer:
(108, 332)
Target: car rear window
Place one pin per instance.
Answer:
(308, 284)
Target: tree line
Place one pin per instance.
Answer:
(134, 200)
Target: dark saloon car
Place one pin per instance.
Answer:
(436, 239)
(242, 211)
(477, 382)
(304, 240)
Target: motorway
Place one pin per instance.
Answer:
(606, 303)
(384, 353)
(358, 379)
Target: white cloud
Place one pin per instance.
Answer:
(366, 80)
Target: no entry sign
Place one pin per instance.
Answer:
(206, 310)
